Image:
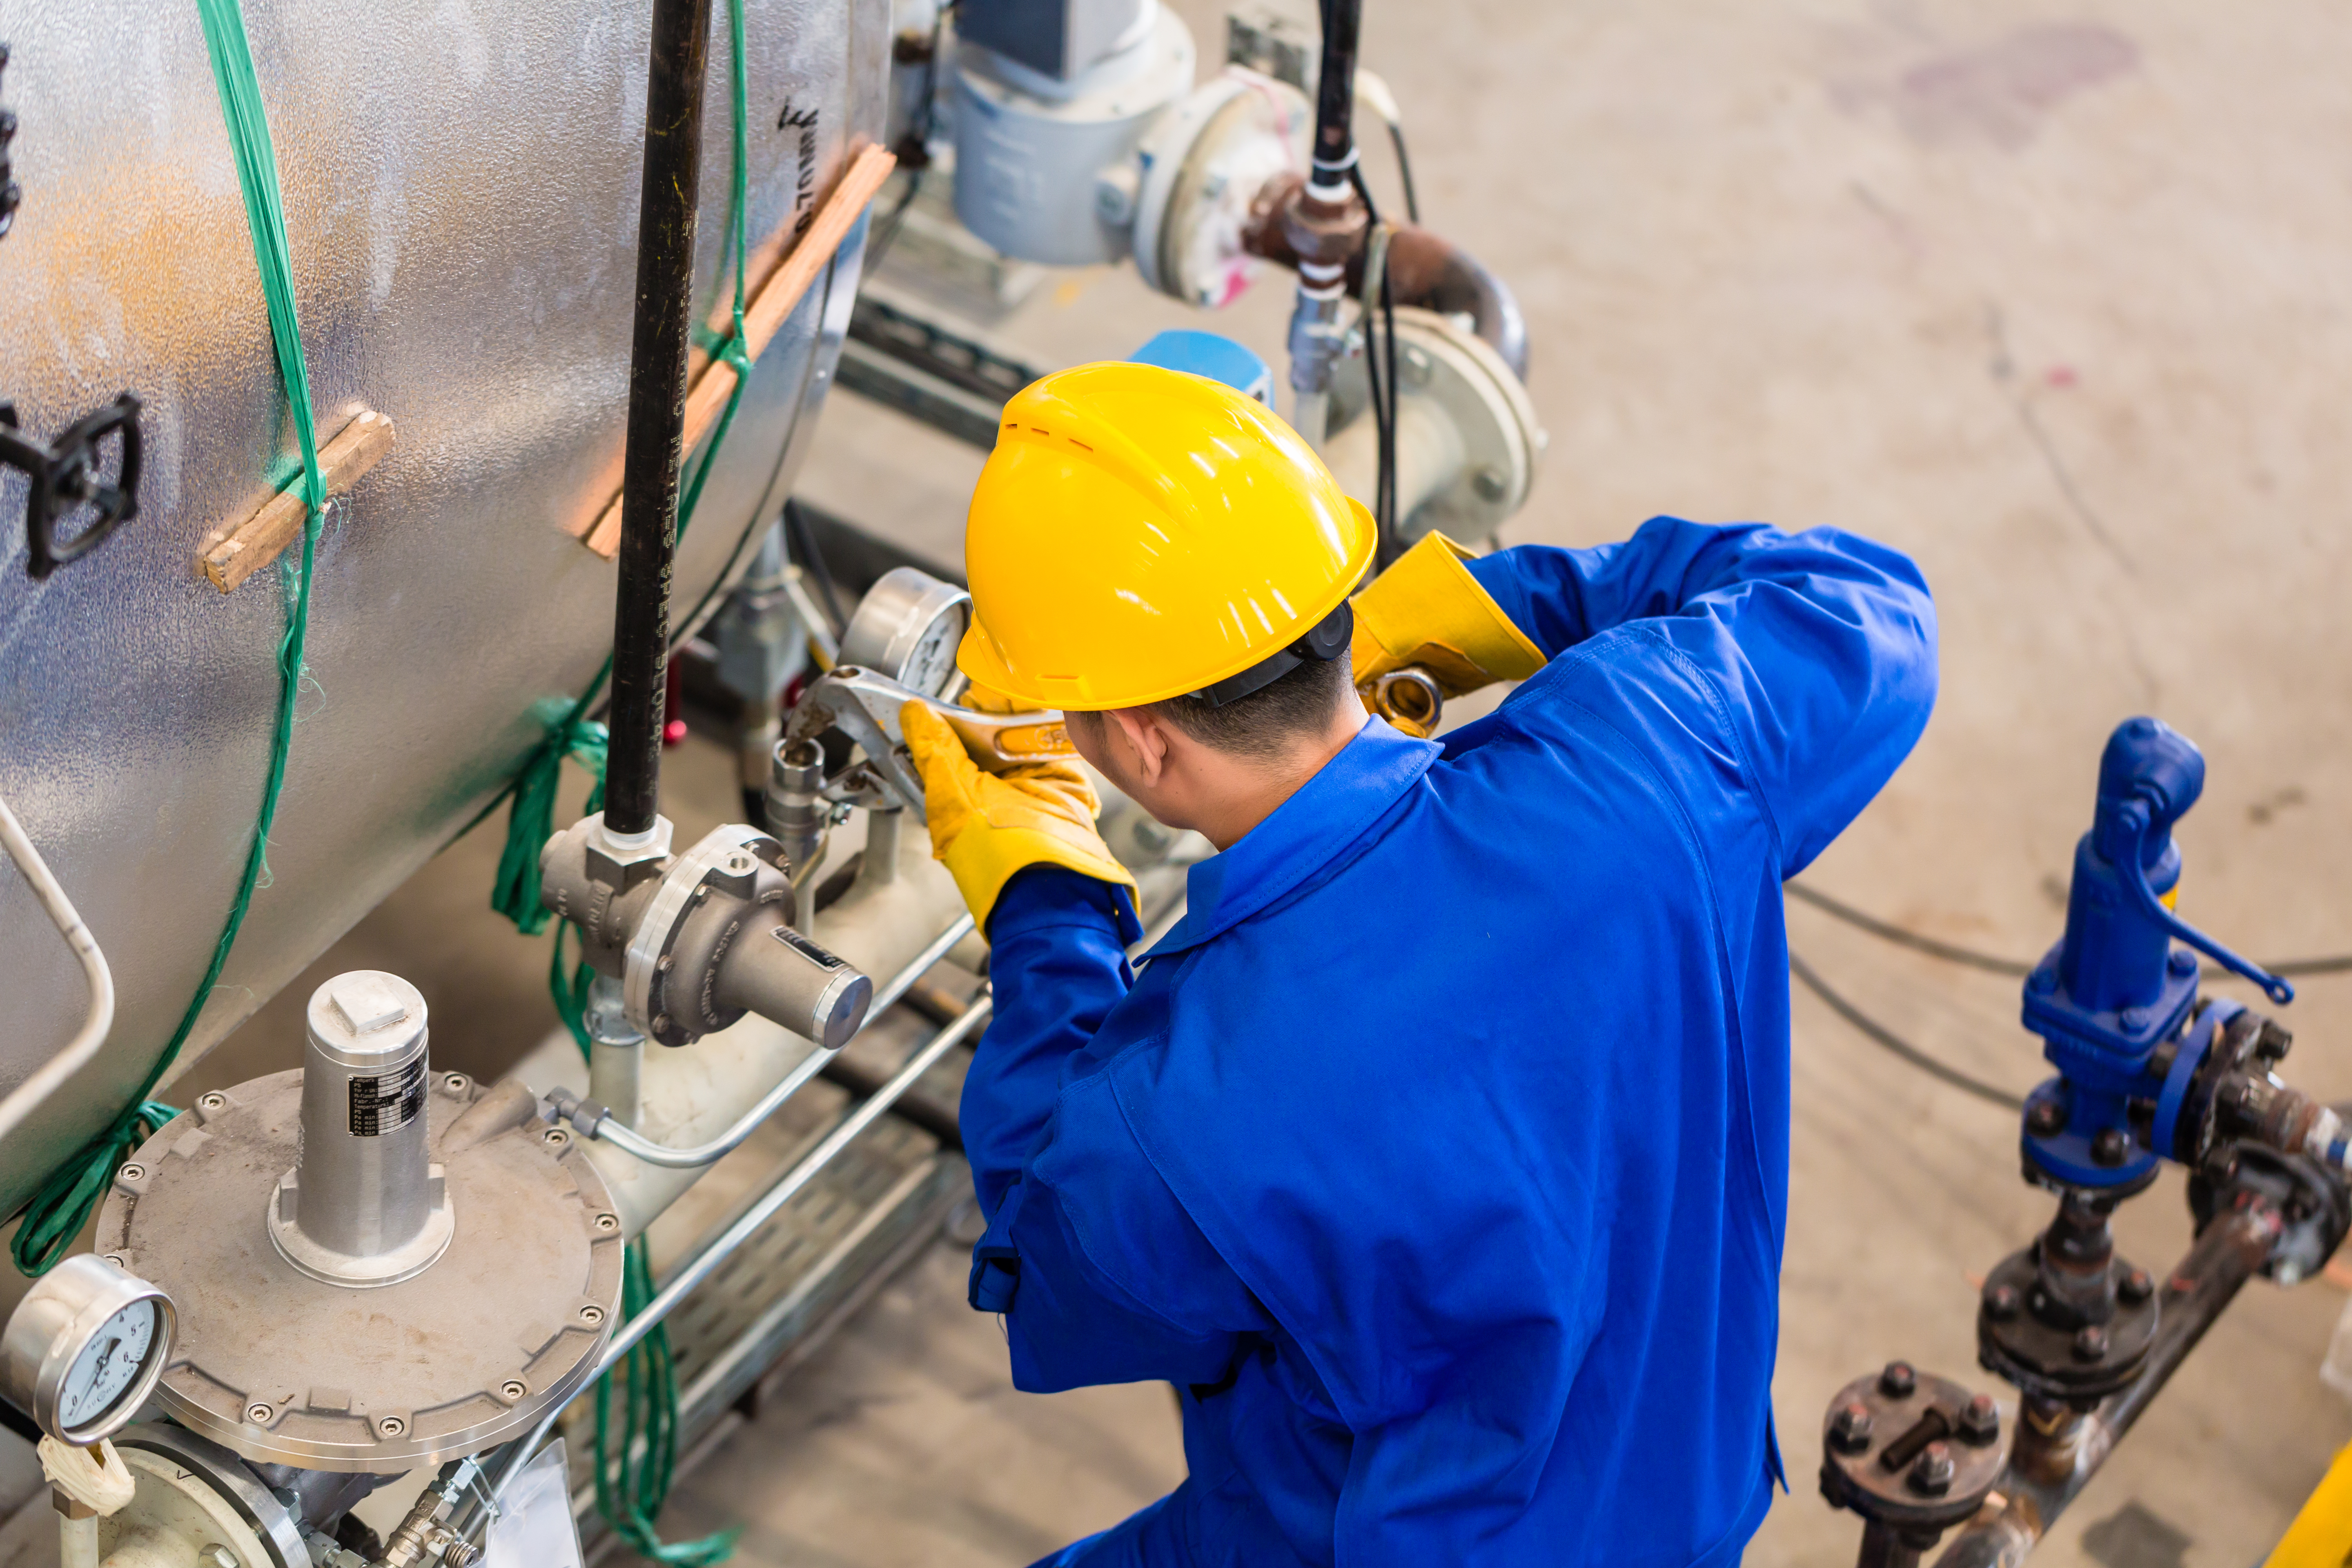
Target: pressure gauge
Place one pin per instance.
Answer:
(83, 1348)
(906, 628)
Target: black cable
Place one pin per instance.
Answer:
(1404, 173)
(914, 154)
(1912, 939)
(1381, 372)
(803, 540)
(1879, 1033)
(2338, 964)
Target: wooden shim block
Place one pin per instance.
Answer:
(765, 314)
(231, 554)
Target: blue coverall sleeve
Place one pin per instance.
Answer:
(1058, 963)
(1822, 645)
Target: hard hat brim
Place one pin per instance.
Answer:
(977, 656)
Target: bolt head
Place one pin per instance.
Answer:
(2110, 1147)
(1492, 484)
(391, 1426)
(2000, 1302)
(2183, 963)
(1850, 1427)
(1979, 1421)
(2133, 1019)
(2045, 1118)
(2091, 1342)
(217, 1557)
(1898, 1381)
(1932, 1471)
(258, 1414)
(2042, 981)
(2134, 1287)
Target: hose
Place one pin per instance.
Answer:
(27, 1096)
(649, 476)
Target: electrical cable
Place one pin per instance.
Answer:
(1991, 963)
(1380, 365)
(1879, 1033)
(60, 1206)
(803, 539)
(914, 154)
(98, 1017)
(1404, 173)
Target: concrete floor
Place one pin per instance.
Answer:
(2052, 297)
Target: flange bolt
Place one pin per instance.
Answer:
(2045, 1119)
(1979, 1421)
(2091, 1342)
(1898, 1380)
(2133, 1019)
(2110, 1147)
(2135, 1287)
(1850, 1428)
(2000, 1302)
(2183, 963)
(1931, 1472)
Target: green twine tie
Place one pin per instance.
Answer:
(59, 1208)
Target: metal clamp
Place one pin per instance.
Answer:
(63, 475)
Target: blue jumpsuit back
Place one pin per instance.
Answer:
(1439, 1157)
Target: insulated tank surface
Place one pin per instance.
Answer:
(461, 185)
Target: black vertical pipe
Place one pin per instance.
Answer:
(1335, 91)
(680, 54)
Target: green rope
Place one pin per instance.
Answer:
(61, 1204)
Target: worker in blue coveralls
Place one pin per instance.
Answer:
(1439, 1156)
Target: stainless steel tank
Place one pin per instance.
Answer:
(461, 185)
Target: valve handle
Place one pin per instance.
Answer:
(2134, 877)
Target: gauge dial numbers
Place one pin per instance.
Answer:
(84, 1347)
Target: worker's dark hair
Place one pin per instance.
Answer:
(1266, 724)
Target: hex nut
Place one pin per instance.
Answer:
(2091, 1342)
(2045, 1119)
(1979, 1421)
(1898, 1381)
(1932, 1472)
(2110, 1147)
(1850, 1428)
(2000, 1302)
(2134, 1287)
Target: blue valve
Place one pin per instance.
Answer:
(2116, 988)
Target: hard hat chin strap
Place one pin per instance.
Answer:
(1325, 640)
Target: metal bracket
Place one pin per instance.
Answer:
(63, 475)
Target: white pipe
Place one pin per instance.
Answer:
(27, 1096)
(78, 1542)
(695, 1095)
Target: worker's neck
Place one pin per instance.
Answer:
(1233, 795)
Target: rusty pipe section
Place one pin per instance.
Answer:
(2058, 1448)
(1425, 270)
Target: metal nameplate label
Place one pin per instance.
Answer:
(388, 1102)
(806, 947)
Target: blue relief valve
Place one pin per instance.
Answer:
(2111, 1000)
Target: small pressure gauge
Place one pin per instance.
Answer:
(83, 1348)
(906, 628)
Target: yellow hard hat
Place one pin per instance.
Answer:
(1140, 533)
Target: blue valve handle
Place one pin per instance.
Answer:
(2138, 815)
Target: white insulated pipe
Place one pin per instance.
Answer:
(694, 1095)
(27, 1096)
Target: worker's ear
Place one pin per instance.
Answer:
(1147, 736)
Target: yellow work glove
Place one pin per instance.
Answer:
(1427, 612)
(986, 826)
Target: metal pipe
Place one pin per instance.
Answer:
(665, 310)
(2058, 1450)
(609, 1129)
(27, 1096)
(509, 1461)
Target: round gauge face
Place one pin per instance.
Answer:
(931, 665)
(108, 1365)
